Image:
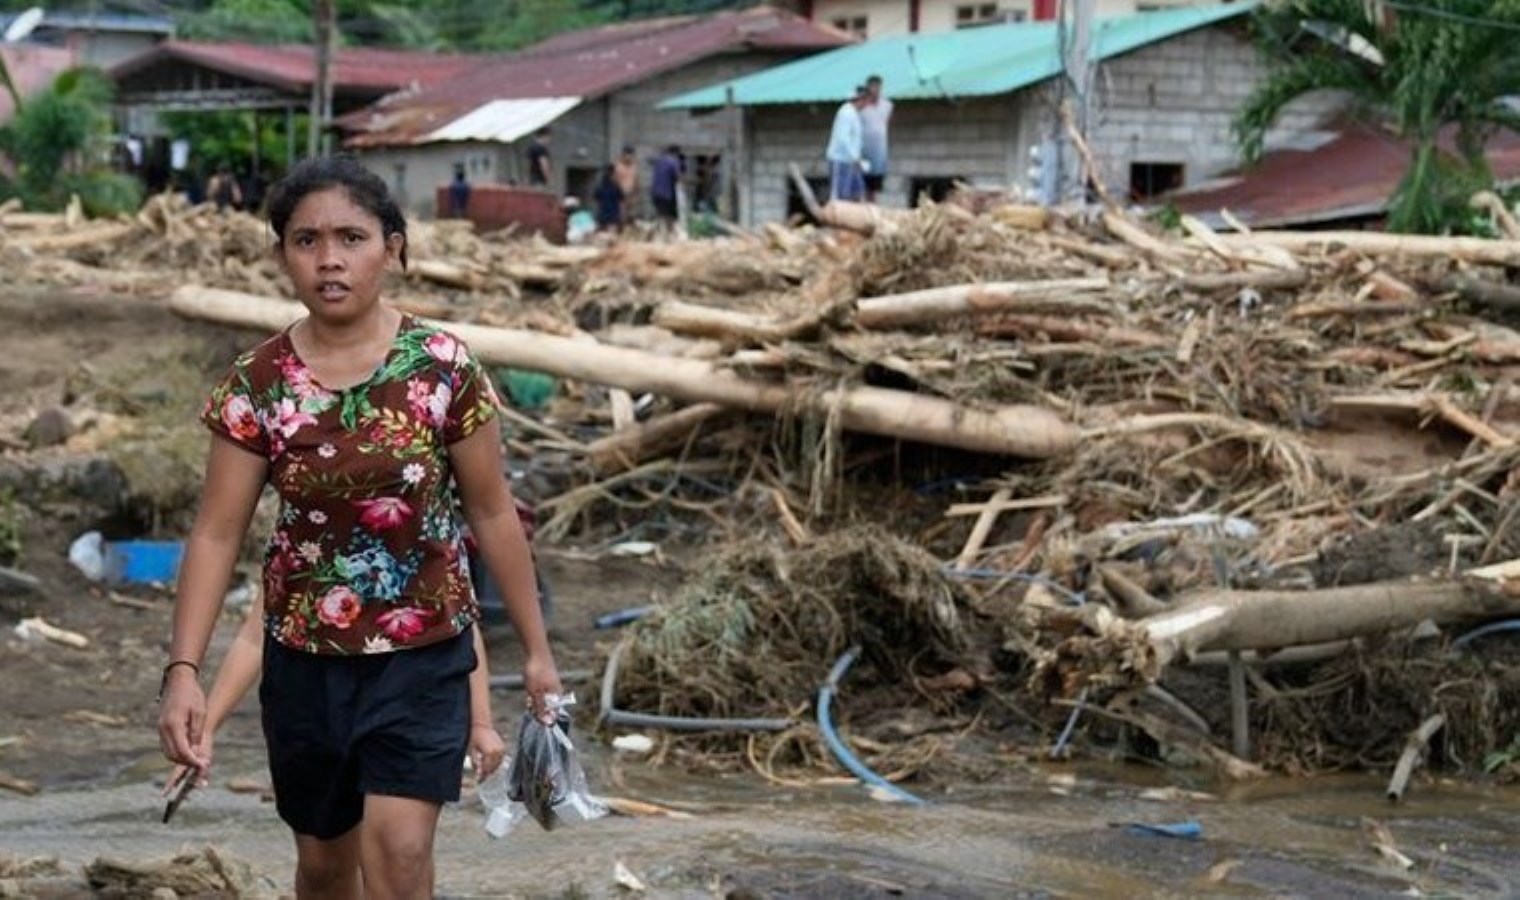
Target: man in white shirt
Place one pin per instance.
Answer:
(844, 151)
(874, 117)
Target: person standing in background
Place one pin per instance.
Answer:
(874, 119)
(540, 162)
(844, 150)
(459, 193)
(625, 172)
(668, 169)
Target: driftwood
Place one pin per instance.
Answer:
(1014, 430)
(95, 235)
(1499, 297)
(865, 218)
(1413, 755)
(1116, 653)
(1055, 296)
(728, 324)
(446, 274)
(1234, 281)
(625, 449)
(1473, 250)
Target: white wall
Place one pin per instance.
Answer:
(414, 174)
(889, 17)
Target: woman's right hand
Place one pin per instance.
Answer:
(201, 774)
(181, 720)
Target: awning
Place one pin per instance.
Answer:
(504, 120)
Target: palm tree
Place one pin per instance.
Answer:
(1423, 68)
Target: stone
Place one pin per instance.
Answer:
(52, 427)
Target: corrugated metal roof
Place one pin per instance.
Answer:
(586, 64)
(995, 59)
(292, 67)
(1352, 176)
(505, 120)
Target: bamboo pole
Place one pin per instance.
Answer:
(1013, 430)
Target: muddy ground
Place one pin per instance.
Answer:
(78, 724)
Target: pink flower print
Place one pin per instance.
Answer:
(442, 347)
(438, 405)
(338, 607)
(311, 551)
(239, 417)
(383, 513)
(317, 517)
(327, 451)
(418, 394)
(403, 624)
(289, 418)
(413, 474)
(300, 379)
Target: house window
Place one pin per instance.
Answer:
(855, 25)
(975, 15)
(1152, 179)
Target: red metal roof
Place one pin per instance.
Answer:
(585, 64)
(292, 67)
(32, 69)
(1352, 176)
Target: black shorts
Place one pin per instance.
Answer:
(874, 181)
(665, 208)
(340, 727)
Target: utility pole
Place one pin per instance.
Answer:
(1077, 60)
(324, 14)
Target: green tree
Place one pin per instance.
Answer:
(1421, 68)
(57, 143)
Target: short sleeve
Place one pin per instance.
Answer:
(474, 402)
(231, 411)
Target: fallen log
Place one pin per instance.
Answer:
(1014, 430)
(1467, 249)
(865, 218)
(1497, 296)
(91, 236)
(916, 307)
(1234, 281)
(444, 273)
(729, 324)
(1127, 231)
(626, 449)
(1116, 652)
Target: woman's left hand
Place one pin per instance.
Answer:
(487, 749)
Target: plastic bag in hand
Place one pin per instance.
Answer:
(545, 780)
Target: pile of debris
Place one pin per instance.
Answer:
(1157, 449)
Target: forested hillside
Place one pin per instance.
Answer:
(465, 25)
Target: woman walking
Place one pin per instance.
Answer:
(372, 428)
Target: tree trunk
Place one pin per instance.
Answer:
(1028, 431)
(897, 310)
(1466, 249)
(625, 449)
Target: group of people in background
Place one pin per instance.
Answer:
(857, 150)
(618, 188)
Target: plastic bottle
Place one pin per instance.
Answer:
(494, 797)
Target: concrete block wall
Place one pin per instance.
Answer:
(975, 141)
(1174, 102)
(413, 174)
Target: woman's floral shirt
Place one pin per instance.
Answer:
(366, 556)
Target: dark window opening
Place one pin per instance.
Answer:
(1147, 180)
(935, 187)
(855, 25)
(796, 209)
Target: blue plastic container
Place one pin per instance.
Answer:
(143, 562)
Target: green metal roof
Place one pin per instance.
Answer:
(975, 62)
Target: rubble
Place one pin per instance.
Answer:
(1086, 431)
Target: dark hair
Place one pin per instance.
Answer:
(322, 173)
(874, 79)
